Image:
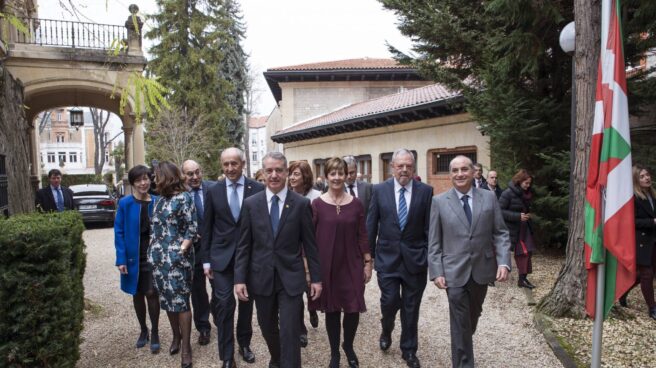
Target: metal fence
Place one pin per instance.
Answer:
(4, 190)
(63, 33)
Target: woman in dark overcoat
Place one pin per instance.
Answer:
(515, 203)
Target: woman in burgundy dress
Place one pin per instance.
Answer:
(345, 260)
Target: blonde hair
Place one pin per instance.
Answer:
(637, 190)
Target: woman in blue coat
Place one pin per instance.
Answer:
(131, 239)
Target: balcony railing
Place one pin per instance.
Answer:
(62, 33)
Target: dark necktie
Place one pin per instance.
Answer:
(350, 188)
(465, 206)
(235, 208)
(199, 203)
(275, 214)
(60, 200)
(403, 209)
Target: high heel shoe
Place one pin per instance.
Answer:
(334, 361)
(351, 357)
(188, 357)
(175, 347)
(142, 340)
(154, 342)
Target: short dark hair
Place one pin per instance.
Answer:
(334, 163)
(137, 173)
(306, 174)
(169, 179)
(54, 172)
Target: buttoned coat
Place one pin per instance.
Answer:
(645, 230)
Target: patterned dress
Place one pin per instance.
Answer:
(174, 220)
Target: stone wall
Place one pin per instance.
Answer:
(15, 143)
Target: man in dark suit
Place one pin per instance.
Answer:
(54, 197)
(397, 226)
(220, 236)
(468, 248)
(479, 180)
(276, 231)
(492, 183)
(354, 187)
(199, 298)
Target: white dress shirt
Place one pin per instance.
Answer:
(408, 194)
(355, 189)
(240, 189)
(282, 195)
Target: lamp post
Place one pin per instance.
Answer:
(567, 42)
(76, 118)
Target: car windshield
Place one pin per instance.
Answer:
(89, 190)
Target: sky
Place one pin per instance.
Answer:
(278, 32)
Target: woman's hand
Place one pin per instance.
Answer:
(525, 216)
(368, 266)
(184, 247)
(123, 269)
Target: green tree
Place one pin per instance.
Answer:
(198, 57)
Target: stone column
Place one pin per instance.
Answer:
(138, 144)
(129, 147)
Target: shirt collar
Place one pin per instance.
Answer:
(398, 186)
(282, 195)
(55, 188)
(469, 193)
(241, 181)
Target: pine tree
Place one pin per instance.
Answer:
(198, 56)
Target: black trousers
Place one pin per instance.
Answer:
(200, 301)
(281, 309)
(465, 307)
(223, 308)
(402, 291)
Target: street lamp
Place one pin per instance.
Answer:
(567, 42)
(76, 118)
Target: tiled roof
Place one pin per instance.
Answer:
(386, 104)
(352, 64)
(257, 122)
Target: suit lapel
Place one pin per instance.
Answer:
(477, 200)
(222, 186)
(392, 198)
(361, 193)
(456, 206)
(413, 202)
(286, 208)
(51, 197)
(264, 208)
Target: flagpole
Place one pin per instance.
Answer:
(597, 330)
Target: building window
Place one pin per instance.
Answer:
(442, 158)
(41, 157)
(318, 167)
(254, 155)
(386, 160)
(364, 167)
(62, 156)
(51, 157)
(72, 157)
(106, 156)
(59, 116)
(60, 137)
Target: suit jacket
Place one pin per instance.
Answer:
(260, 255)
(364, 194)
(389, 244)
(645, 230)
(220, 232)
(45, 200)
(200, 218)
(457, 250)
(497, 190)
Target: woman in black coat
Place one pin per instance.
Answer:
(645, 231)
(515, 203)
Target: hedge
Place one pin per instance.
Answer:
(41, 290)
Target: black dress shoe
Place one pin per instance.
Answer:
(304, 340)
(334, 361)
(385, 341)
(204, 338)
(274, 365)
(142, 340)
(175, 347)
(229, 364)
(314, 319)
(652, 313)
(524, 283)
(154, 342)
(247, 354)
(351, 357)
(411, 360)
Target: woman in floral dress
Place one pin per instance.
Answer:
(171, 254)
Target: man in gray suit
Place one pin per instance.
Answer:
(356, 188)
(468, 247)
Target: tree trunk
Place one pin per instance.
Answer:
(567, 297)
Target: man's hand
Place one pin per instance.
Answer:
(123, 269)
(208, 273)
(242, 293)
(440, 282)
(502, 273)
(315, 290)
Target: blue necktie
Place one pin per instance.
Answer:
(60, 200)
(275, 214)
(465, 206)
(199, 203)
(234, 202)
(403, 209)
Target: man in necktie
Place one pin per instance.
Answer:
(354, 187)
(397, 226)
(276, 229)
(479, 180)
(55, 197)
(221, 233)
(199, 298)
(469, 247)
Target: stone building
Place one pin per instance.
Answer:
(257, 142)
(369, 108)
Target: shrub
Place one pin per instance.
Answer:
(41, 290)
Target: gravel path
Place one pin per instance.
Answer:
(506, 335)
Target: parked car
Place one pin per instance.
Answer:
(95, 202)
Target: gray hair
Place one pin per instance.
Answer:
(471, 163)
(401, 152)
(236, 150)
(275, 156)
(350, 160)
(478, 166)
